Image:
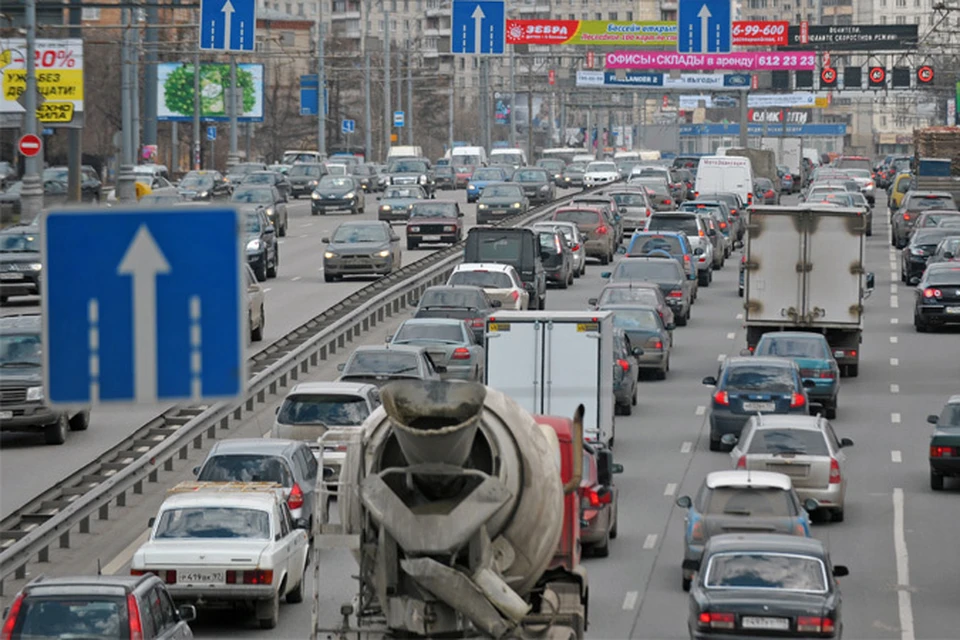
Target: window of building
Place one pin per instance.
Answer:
(883, 121)
(901, 20)
(612, 15)
(630, 15)
(90, 13)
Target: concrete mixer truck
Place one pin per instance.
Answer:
(464, 514)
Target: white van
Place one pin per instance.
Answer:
(405, 151)
(626, 155)
(516, 157)
(468, 157)
(720, 174)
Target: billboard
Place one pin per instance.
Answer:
(175, 92)
(645, 33)
(699, 81)
(742, 61)
(59, 71)
(854, 37)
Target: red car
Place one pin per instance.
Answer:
(464, 174)
(434, 221)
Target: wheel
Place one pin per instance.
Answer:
(604, 259)
(602, 550)
(633, 400)
(685, 583)
(282, 231)
(583, 267)
(256, 335)
(564, 283)
(542, 302)
(313, 212)
(272, 270)
(936, 481)
(661, 374)
(740, 292)
(714, 444)
(703, 280)
(682, 320)
(570, 277)
(411, 245)
(268, 612)
(328, 278)
(853, 370)
(261, 271)
(919, 324)
(80, 422)
(837, 515)
(616, 523)
(831, 412)
(56, 433)
(628, 409)
(296, 596)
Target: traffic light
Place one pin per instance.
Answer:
(853, 78)
(877, 78)
(828, 78)
(780, 80)
(901, 77)
(804, 79)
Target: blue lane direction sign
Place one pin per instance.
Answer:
(398, 118)
(704, 26)
(308, 96)
(211, 133)
(348, 126)
(479, 27)
(155, 314)
(228, 25)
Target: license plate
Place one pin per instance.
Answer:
(431, 238)
(11, 276)
(6, 415)
(952, 310)
(201, 577)
(751, 622)
(759, 406)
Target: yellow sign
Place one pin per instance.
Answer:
(394, 137)
(501, 326)
(62, 84)
(821, 103)
(55, 112)
(591, 326)
(6, 57)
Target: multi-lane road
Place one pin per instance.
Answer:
(897, 538)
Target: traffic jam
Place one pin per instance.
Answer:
(471, 461)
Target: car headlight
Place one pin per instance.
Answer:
(471, 187)
(917, 251)
(449, 228)
(329, 254)
(516, 205)
(422, 180)
(414, 229)
(269, 211)
(481, 206)
(33, 266)
(350, 196)
(312, 183)
(384, 207)
(203, 194)
(34, 394)
(545, 188)
(315, 195)
(254, 245)
(384, 254)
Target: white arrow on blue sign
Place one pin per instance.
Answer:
(704, 26)
(228, 25)
(153, 315)
(348, 126)
(398, 118)
(479, 27)
(211, 133)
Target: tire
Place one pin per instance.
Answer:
(604, 259)
(256, 335)
(685, 583)
(583, 267)
(570, 278)
(853, 370)
(682, 321)
(837, 515)
(633, 400)
(831, 412)
(703, 280)
(714, 444)
(740, 292)
(272, 271)
(328, 278)
(919, 324)
(80, 422)
(627, 409)
(411, 246)
(56, 433)
(261, 272)
(602, 550)
(282, 231)
(936, 481)
(564, 283)
(661, 374)
(296, 596)
(313, 212)
(273, 613)
(541, 302)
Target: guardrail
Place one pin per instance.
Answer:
(28, 535)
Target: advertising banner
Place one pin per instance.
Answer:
(772, 130)
(767, 100)
(630, 33)
(854, 37)
(175, 92)
(59, 69)
(695, 82)
(742, 61)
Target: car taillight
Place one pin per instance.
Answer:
(295, 499)
(477, 323)
(624, 365)
(686, 258)
(675, 294)
(701, 233)
(649, 213)
(814, 624)
(932, 293)
(696, 194)
(721, 398)
(716, 620)
(575, 247)
(797, 400)
(514, 295)
(942, 452)
(667, 201)
(696, 531)
(827, 374)
(12, 618)
(602, 230)
(749, 198)
(460, 353)
(653, 343)
(257, 576)
(769, 194)
(133, 615)
(743, 260)
(799, 530)
(723, 225)
(834, 471)
(742, 462)
(906, 216)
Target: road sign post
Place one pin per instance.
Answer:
(479, 27)
(153, 316)
(228, 25)
(704, 26)
(398, 118)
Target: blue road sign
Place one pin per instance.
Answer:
(348, 126)
(153, 315)
(398, 118)
(211, 133)
(228, 25)
(479, 26)
(308, 96)
(704, 26)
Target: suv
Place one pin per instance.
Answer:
(696, 230)
(21, 387)
(98, 606)
(518, 247)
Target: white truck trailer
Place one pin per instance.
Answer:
(804, 271)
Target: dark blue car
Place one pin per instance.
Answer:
(751, 385)
(481, 178)
(643, 243)
(814, 357)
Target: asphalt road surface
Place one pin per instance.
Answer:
(897, 539)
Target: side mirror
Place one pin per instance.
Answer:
(439, 368)
(709, 381)
(948, 255)
(684, 502)
(187, 612)
(276, 411)
(746, 352)
(840, 571)
(302, 523)
(341, 366)
(496, 304)
(933, 419)
(810, 505)
(845, 442)
(698, 251)
(459, 214)
(592, 302)
(151, 521)
(622, 250)
(616, 467)
(269, 229)
(809, 384)
(870, 280)
(637, 351)
(196, 471)
(325, 240)
(729, 439)
(605, 274)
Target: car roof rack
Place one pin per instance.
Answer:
(190, 486)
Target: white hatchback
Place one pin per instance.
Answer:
(500, 281)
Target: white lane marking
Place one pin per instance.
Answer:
(320, 269)
(686, 447)
(739, 316)
(894, 302)
(894, 339)
(731, 336)
(893, 287)
(895, 418)
(721, 357)
(893, 276)
(896, 456)
(903, 568)
(630, 600)
(894, 320)
(126, 555)
(651, 541)
(894, 388)
(294, 278)
(894, 362)
(308, 224)
(267, 289)
(671, 489)
(701, 410)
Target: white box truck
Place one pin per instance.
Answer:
(804, 272)
(551, 361)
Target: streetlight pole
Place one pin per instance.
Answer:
(409, 115)
(367, 110)
(31, 198)
(234, 157)
(387, 122)
(321, 87)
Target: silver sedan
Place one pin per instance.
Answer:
(449, 342)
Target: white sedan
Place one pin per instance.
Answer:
(600, 173)
(227, 543)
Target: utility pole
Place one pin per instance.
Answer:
(530, 107)
(744, 115)
(74, 151)
(150, 75)
(408, 119)
(196, 107)
(450, 116)
(513, 97)
(321, 86)
(367, 109)
(31, 198)
(387, 116)
(134, 52)
(126, 190)
(233, 157)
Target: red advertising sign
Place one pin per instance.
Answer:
(754, 81)
(804, 32)
(541, 31)
(590, 59)
(666, 101)
(759, 33)
(552, 76)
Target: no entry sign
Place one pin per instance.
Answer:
(29, 145)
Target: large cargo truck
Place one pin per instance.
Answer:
(936, 164)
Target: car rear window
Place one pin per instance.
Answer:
(213, 522)
(791, 348)
(665, 270)
(946, 277)
(645, 244)
(381, 363)
(766, 571)
(630, 199)
(246, 468)
(950, 416)
(458, 298)
(741, 501)
(801, 442)
(331, 410)
(615, 295)
(686, 224)
(920, 203)
(931, 238)
(634, 319)
(854, 163)
(68, 616)
(770, 379)
(428, 332)
(499, 248)
(933, 219)
(482, 279)
(433, 210)
(578, 217)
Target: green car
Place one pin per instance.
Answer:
(945, 444)
(499, 201)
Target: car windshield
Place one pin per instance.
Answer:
(444, 171)
(328, 409)
(602, 167)
(578, 216)
(930, 238)
(20, 350)
(350, 233)
(312, 171)
(428, 332)
(260, 178)
(551, 164)
(951, 244)
(530, 175)
(488, 174)
(950, 416)
(19, 242)
(576, 167)
(615, 295)
(253, 223)
(335, 182)
(213, 522)
(244, 169)
(791, 347)
(455, 298)
(246, 467)
(433, 210)
(634, 319)
(482, 279)
(97, 617)
(673, 222)
(630, 199)
(782, 572)
(763, 183)
(196, 182)
(361, 170)
(943, 277)
(254, 196)
(407, 166)
(502, 191)
(838, 199)
(381, 363)
(759, 378)
(920, 203)
(803, 442)
(743, 501)
(647, 244)
(337, 169)
(652, 270)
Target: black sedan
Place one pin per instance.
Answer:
(268, 200)
(573, 175)
(937, 297)
(536, 183)
(765, 585)
(203, 185)
(269, 179)
(337, 193)
(263, 252)
(304, 178)
(923, 244)
(366, 176)
(20, 264)
(380, 365)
